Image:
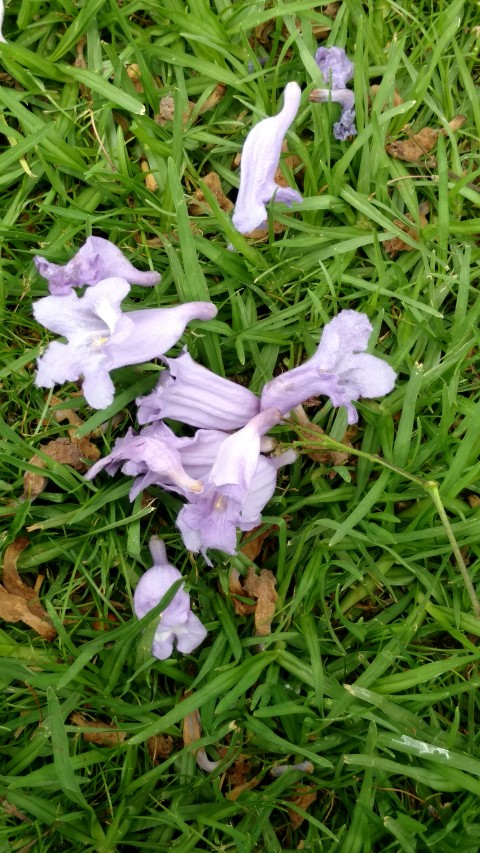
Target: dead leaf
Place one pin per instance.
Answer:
(63, 450)
(396, 99)
(135, 75)
(252, 547)
(192, 732)
(106, 735)
(159, 746)
(199, 204)
(18, 601)
(306, 795)
(166, 110)
(150, 182)
(474, 501)
(421, 143)
(235, 792)
(396, 244)
(214, 98)
(260, 587)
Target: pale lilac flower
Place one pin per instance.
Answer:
(192, 394)
(96, 260)
(155, 451)
(2, 12)
(260, 158)
(340, 369)
(177, 622)
(337, 70)
(239, 484)
(101, 337)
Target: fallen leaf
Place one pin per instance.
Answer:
(396, 244)
(235, 792)
(260, 587)
(306, 795)
(192, 732)
(159, 746)
(106, 735)
(421, 143)
(474, 501)
(397, 99)
(166, 110)
(199, 204)
(214, 98)
(63, 450)
(150, 182)
(252, 547)
(18, 601)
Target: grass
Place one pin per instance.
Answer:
(372, 666)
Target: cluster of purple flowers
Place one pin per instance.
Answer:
(227, 469)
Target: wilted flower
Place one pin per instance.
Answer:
(238, 486)
(340, 369)
(177, 622)
(260, 158)
(96, 260)
(192, 394)
(337, 70)
(101, 337)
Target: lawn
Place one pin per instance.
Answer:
(114, 117)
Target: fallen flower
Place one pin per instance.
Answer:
(95, 261)
(337, 70)
(340, 369)
(260, 158)
(101, 337)
(2, 12)
(192, 394)
(177, 625)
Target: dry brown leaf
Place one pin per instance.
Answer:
(396, 244)
(135, 75)
(252, 547)
(474, 501)
(260, 587)
(64, 414)
(150, 182)
(306, 795)
(18, 601)
(63, 450)
(199, 204)
(396, 100)
(106, 735)
(159, 746)
(421, 143)
(192, 728)
(235, 792)
(213, 99)
(166, 110)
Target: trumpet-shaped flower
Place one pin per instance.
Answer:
(192, 394)
(260, 158)
(337, 70)
(177, 625)
(101, 337)
(95, 261)
(238, 486)
(340, 369)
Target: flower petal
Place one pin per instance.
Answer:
(335, 66)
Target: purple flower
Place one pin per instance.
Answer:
(238, 486)
(337, 70)
(260, 158)
(101, 337)
(96, 260)
(340, 369)
(335, 66)
(177, 622)
(192, 394)
(155, 451)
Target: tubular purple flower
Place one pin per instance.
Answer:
(95, 261)
(192, 394)
(260, 158)
(337, 70)
(177, 622)
(340, 369)
(229, 499)
(101, 337)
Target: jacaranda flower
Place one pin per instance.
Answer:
(177, 622)
(101, 337)
(337, 70)
(192, 394)
(96, 260)
(260, 159)
(232, 497)
(340, 369)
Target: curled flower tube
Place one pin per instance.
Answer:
(340, 369)
(177, 624)
(260, 159)
(101, 337)
(337, 70)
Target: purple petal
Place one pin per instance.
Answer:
(335, 66)
(151, 588)
(155, 331)
(345, 126)
(237, 457)
(191, 394)
(97, 259)
(210, 521)
(260, 159)
(190, 635)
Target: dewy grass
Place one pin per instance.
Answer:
(371, 668)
